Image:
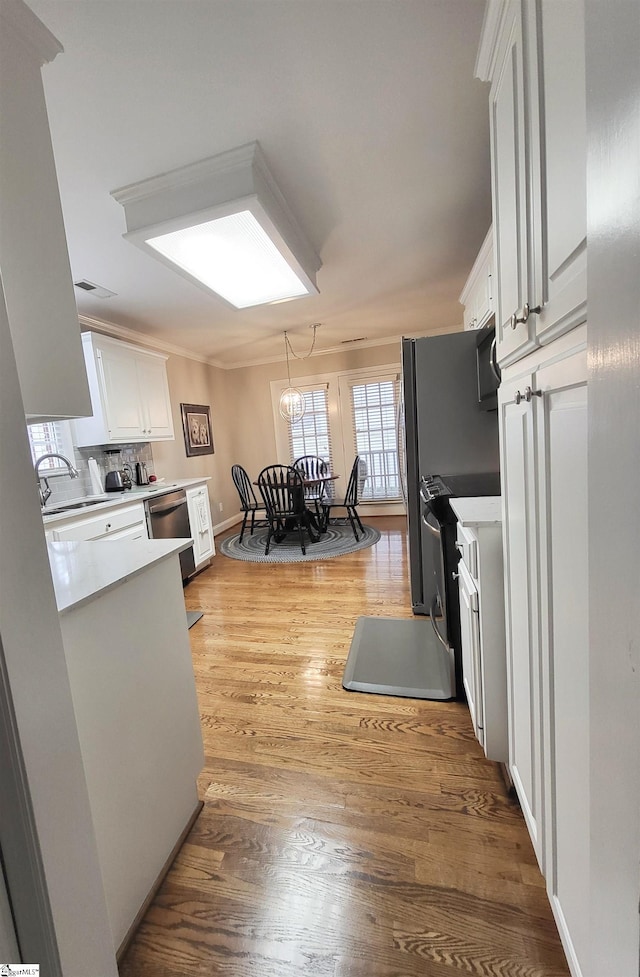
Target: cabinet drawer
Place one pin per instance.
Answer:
(109, 522)
(467, 545)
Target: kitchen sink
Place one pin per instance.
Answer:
(69, 506)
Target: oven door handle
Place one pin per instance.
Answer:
(432, 615)
(427, 525)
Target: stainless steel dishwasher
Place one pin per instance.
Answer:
(168, 518)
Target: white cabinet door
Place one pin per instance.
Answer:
(560, 207)
(470, 636)
(154, 397)
(117, 368)
(562, 485)
(201, 525)
(484, 305)
(510, 148)
(544, 458)
(520, 536)
(538, 146)
(129, 394)
(477, 294)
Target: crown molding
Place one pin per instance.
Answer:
(32, 32)
(494, 15)
(141, 339)
(327, 351)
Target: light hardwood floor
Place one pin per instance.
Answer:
(342, 834)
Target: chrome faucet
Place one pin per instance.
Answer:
(46, 491)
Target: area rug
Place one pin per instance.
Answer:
(337, 541)
(398, 656)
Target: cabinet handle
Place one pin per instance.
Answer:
(107, 527)
(527, 396)
(522, 315)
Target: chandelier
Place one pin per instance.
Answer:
(292, 402)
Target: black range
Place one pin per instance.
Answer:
(439, 549)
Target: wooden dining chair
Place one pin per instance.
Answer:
(313, 467)
(248, 501)
(357, 478)
(282, 490)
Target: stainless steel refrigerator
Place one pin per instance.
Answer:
(446, 433)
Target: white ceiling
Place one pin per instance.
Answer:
(371, 123)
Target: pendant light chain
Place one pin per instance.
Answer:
(311, 349)
(292, 402)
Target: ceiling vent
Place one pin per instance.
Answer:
(347, 342)
(98, 290)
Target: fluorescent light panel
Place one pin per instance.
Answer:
(235, 258)
(223, 224)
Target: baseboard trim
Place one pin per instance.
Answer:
(131, 932)
(508, 782)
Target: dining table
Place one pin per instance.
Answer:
(315, 523)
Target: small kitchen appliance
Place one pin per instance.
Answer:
(119, 478)
(142, 476)
(114, 481)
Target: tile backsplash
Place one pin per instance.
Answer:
(64, 488)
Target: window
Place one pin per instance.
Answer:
(374, 406)
(310, 435)
(48, 437)
(348, 413)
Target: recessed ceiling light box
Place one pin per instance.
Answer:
(223, 224)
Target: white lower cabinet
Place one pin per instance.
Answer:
(470, 634)
(481, 589)
(543, 429)
(125, 522)
(201, 525)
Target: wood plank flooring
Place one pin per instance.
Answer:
(342, 834)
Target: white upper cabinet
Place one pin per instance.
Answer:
(129, 394)
(562, 202)
(34, 262)
(477, 294)
(532, 52)
(510, 148)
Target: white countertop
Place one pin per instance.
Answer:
(82, 570)
(478, 511)
(111, 499)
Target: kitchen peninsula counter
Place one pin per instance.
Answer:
(82, 571)
(126, 641)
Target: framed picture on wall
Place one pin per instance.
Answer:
(196, 424)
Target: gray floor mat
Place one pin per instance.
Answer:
(192, 617)
(394, 656)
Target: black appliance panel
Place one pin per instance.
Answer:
(439, 518)
(487, 369)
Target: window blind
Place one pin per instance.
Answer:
(374, 407)
(47, 437)
(310, 435)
